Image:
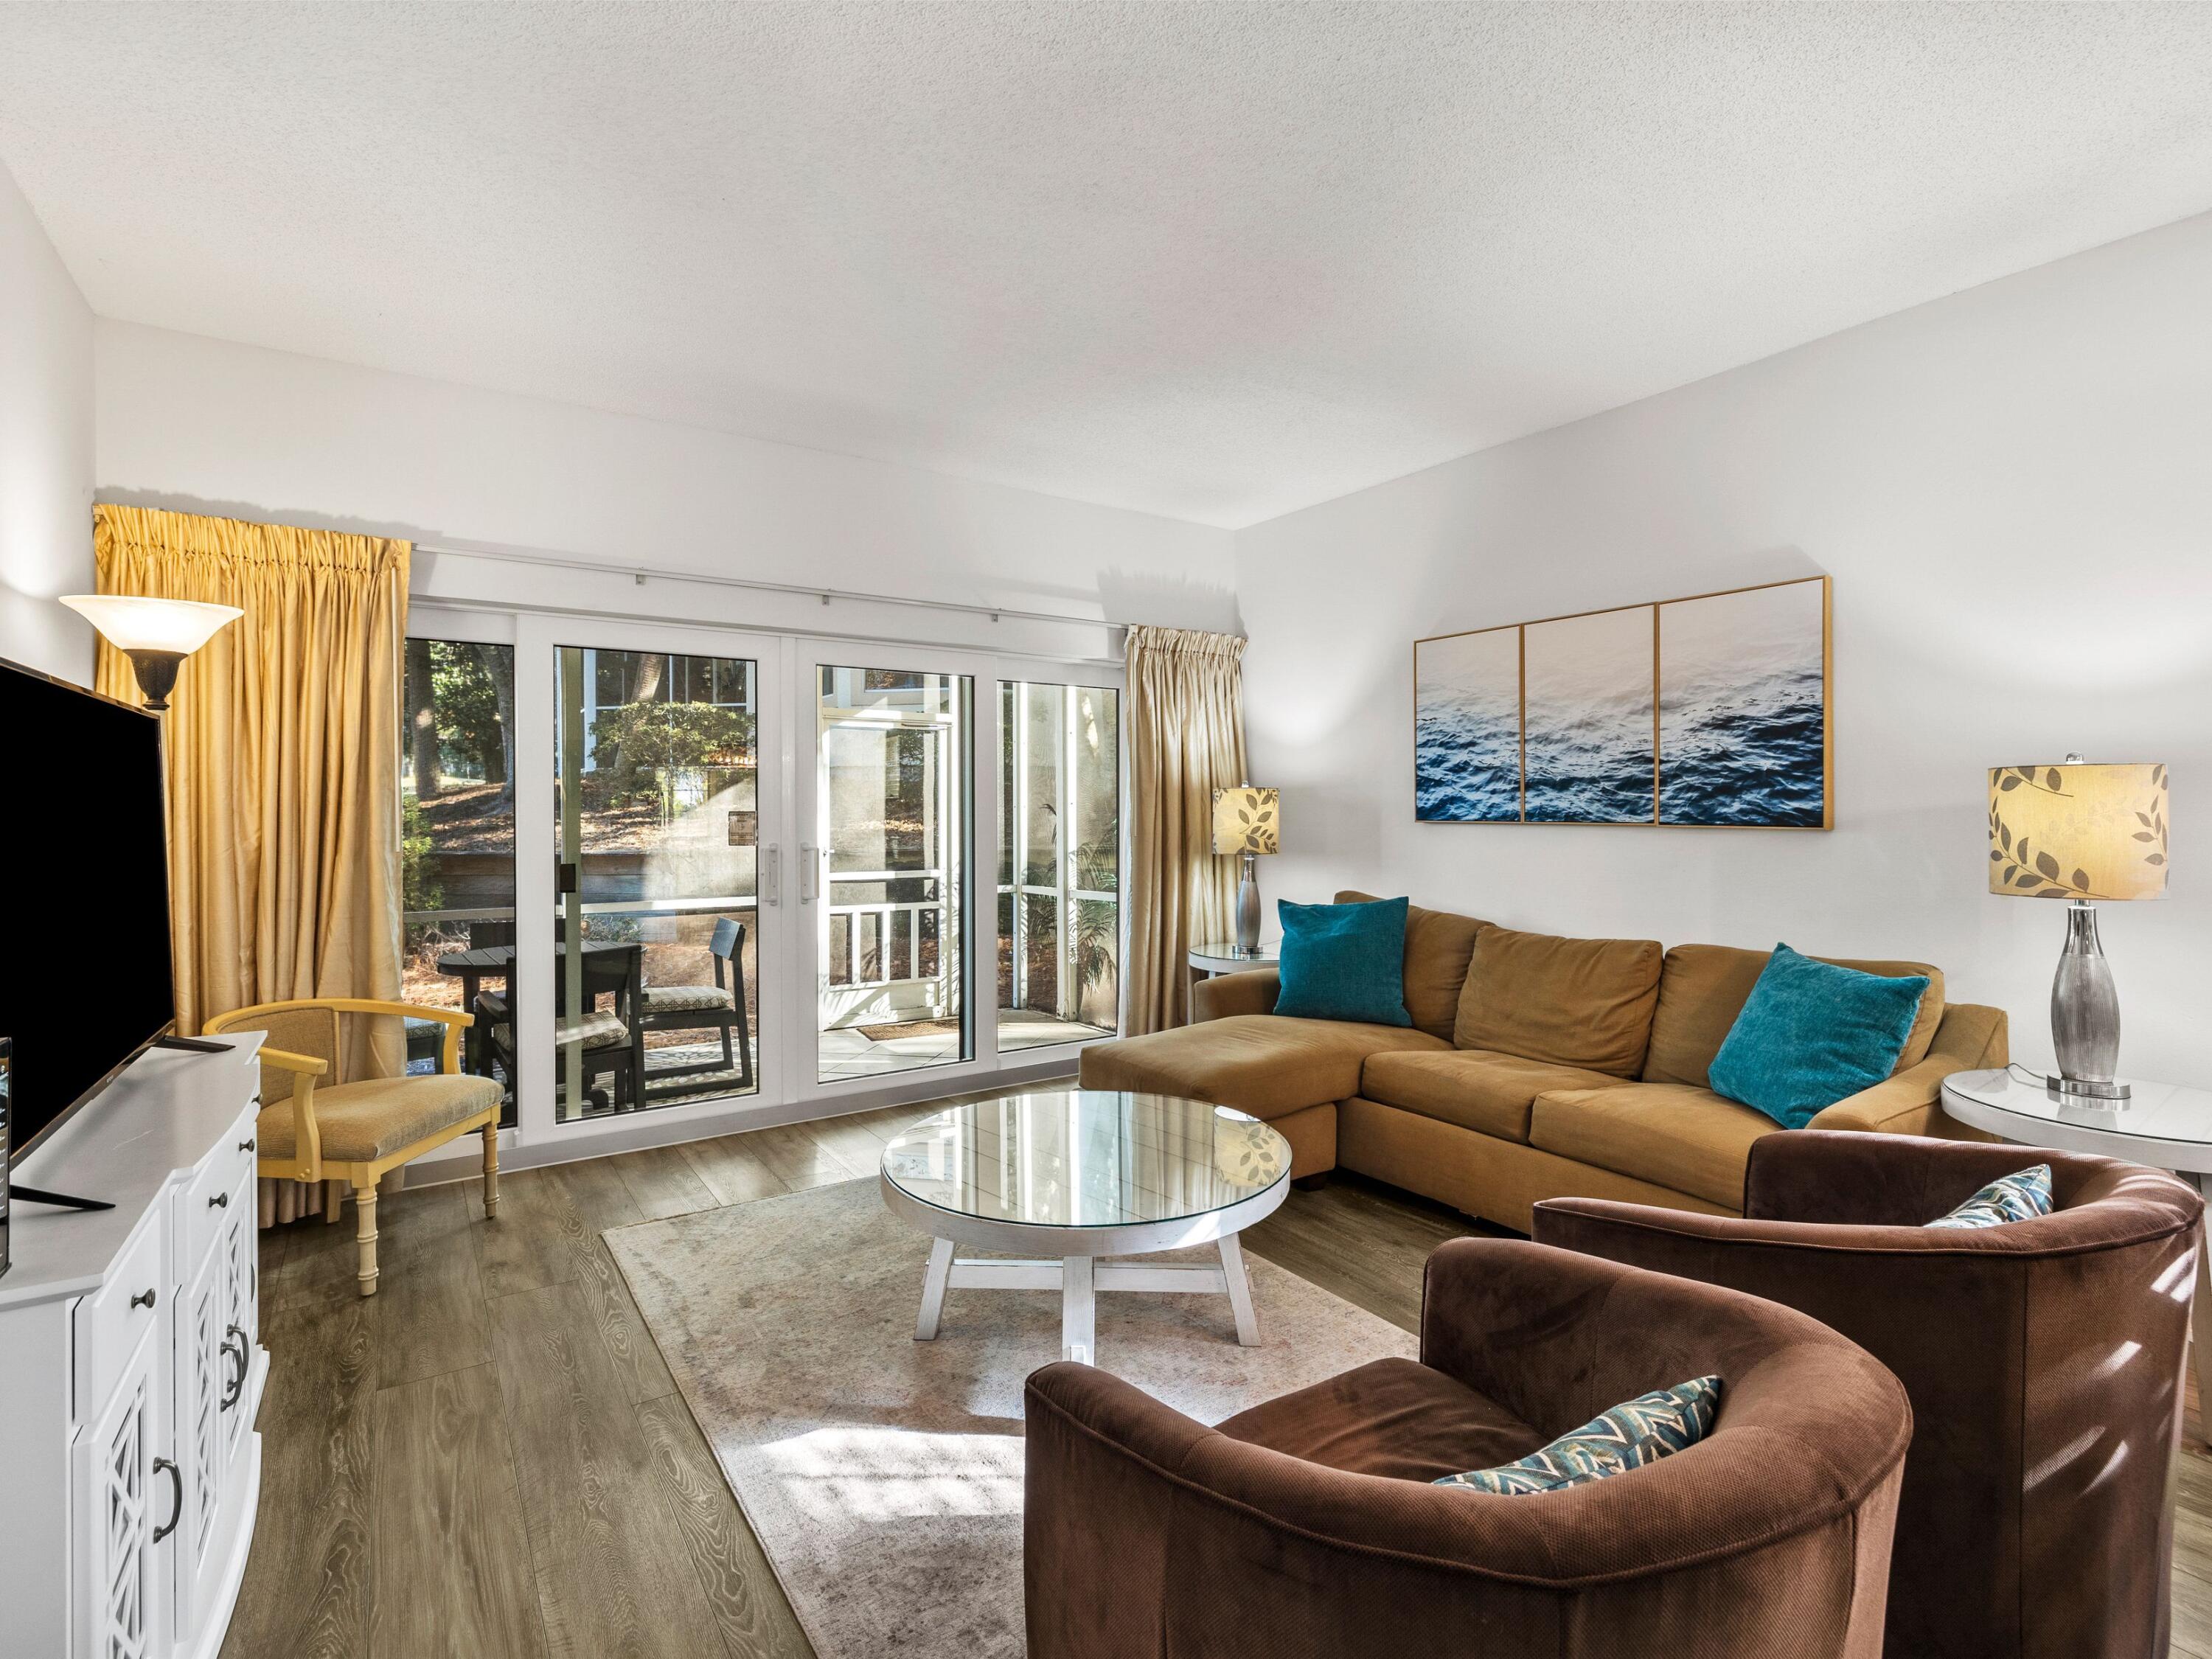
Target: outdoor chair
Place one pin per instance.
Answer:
(719, 1006)
(611, 1040)
(350, 1133)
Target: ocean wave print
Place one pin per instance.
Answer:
(1749, 755)
(1467, 760)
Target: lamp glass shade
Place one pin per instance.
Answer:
(2077, 831)
(131, 623)
(1246, 820)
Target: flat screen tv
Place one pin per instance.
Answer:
(87, 985)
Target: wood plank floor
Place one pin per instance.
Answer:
(487, 1458)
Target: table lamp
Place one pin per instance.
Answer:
(2081, 833)
(156, 635)
(1245, 821)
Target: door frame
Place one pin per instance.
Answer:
(538, 639)
(978, 830)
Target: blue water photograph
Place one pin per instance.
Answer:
(1467, 728)
(1742, 708)
(1587, 709)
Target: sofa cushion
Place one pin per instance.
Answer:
(1263, 1063)
(1583, 1002)
(1438, 946)
(1814, 1034)
(1703, 988)
(1475, 1088)
(1343, 962)
(1391, 1418)
(1669, 1133)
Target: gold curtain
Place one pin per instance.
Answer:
(283, 746)
(1185, 741)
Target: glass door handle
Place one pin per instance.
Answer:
(771, 884)
(810, 870)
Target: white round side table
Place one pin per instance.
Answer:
(1221, 957)
(2163, 1125)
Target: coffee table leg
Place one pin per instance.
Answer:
(1079, 1308)
(932, 1289)
(1240, 1290)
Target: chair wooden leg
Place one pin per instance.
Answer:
(365, 1239)
(491, 1169)
(333, 1197)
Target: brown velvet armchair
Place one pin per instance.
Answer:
(2044, 1359)
(1307, 1526)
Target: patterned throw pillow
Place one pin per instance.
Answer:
(1628, 1436)
(2021, 1197)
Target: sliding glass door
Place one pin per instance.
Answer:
(762, 868)
(457, 807)
(655, 966)
(1059, 864)
(885, 872)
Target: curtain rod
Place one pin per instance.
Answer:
(642, 573)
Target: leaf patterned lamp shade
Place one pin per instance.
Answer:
(2077, 831)
(1245, 820)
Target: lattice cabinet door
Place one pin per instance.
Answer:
(200, 1386)
(238, 1251)
(119, 1600)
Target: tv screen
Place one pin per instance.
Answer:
(87, 983)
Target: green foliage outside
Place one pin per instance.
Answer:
(418, 865)
(467, 701)
(635, 746)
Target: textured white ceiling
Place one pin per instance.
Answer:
(1216, 261)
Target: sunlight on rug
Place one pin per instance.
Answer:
(878, 1476)
(883, 1475)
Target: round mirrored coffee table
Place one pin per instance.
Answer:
(1064, 1176)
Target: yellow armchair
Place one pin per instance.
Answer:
(352, 1133)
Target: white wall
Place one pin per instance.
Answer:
(46, 449)
(2012, 488)
(201, 425)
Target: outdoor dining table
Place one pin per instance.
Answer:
(496, 962)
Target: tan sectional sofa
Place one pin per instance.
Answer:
(1535, 1067)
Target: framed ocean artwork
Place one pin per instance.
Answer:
(1586, 718)
(1467, 727)
(1712, 710)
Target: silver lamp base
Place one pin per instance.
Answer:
(1248, 908)
(2085, 1014)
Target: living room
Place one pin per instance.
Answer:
(988, 829)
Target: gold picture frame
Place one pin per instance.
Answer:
(1713, 710)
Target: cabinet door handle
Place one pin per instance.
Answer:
(220, 1201)
(176, 1497)
(233, 1390)
(144, 1299)
(810, 871)
(245, 1146)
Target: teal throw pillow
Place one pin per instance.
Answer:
(1645, 1430)
(1344, 961)
(2020, 1196)
(1812, 1034)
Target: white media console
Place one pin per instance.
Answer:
(131, 1369)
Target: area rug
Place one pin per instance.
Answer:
(883, 1475)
